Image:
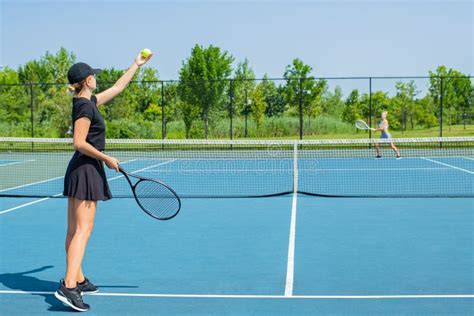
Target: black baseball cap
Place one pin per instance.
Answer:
(80, 71)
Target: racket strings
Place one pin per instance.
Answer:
(156, 199)
(361, 125)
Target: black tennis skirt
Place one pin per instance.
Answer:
(85, 179)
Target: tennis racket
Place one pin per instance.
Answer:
(154, 197)
(362, 125)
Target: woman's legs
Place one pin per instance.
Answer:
(81, 216)
(71, 228)
(395, 149)
(377, 149)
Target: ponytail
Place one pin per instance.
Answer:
(75, 88)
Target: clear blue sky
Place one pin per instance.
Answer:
(336, 38)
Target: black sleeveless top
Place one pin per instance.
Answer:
(83, 107)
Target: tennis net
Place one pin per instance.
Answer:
(430, 167)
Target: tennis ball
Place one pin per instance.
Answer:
(145, 53)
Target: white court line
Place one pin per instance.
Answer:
(16, 162)
(33, 183)
(372, 297)
(286, 170)
(43, 181)
(143, 169)
(290, 266)
(468, 158)
(26, 204)
(447, 165)
(45, 199)
(375, 169)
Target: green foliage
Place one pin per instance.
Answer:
(302, 88)
(169, 99)
(153, 112)
(244, 85)
(332, 103)
(258, 105)
(380, 102)
(126, 128)
(455, 89)
(49, 68)
(135, 99)
(274, 97)
(53, 110)
(199, 104)
(404, 103)
(201, 80)
(189, 113)
(351, 111)
(14, 98)
(426, 112)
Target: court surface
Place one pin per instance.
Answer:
(286, 255)
(230, 257)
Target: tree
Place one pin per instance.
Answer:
(299, 83)
(274, 97)
(243, 87)
(202, 80)
(54, 111)
(51, 103)
(427, 111)
(258, 106)
(190, 113)
(125, 105)
(462, 94)
(351, 111)
(455, 90)
(15, 109)
(405, 103)
(380, 103)
(147, 88)
(50, 68)
(170, 103)
(332, 103)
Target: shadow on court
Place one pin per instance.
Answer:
(23, 281)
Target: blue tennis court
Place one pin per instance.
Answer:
(293, 254)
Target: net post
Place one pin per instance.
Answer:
(295, 167)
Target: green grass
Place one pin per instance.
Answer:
(453, 131)
(456, 131)
(322, 127)
(316, 128)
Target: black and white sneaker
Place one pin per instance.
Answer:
(71, 297)
(378, 157)
(86, 287)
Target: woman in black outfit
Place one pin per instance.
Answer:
(85, 182)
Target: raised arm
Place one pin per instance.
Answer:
(107, 95)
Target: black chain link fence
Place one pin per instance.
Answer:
(264, 108)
